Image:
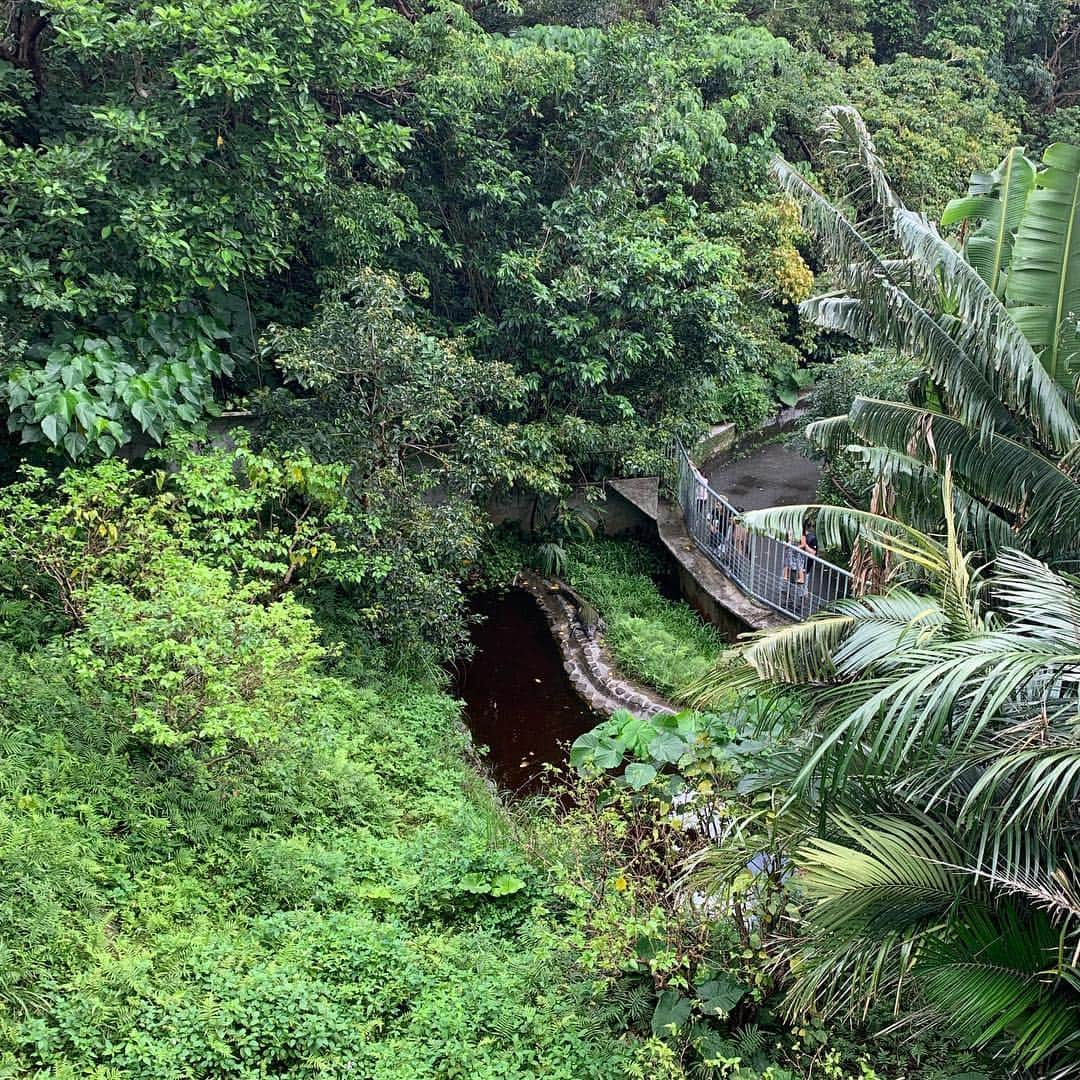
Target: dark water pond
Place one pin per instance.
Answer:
(519, 701)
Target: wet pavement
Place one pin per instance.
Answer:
(768, 475)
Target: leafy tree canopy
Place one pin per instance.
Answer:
(161, 167)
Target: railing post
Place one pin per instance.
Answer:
(752, 548)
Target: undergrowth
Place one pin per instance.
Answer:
(346, 904)
(661, 642)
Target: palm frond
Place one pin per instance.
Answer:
(891, 876)
(830, 435)
(918, 491)
(840, 527)
(845, 134)
(1000, 471)
(887, 315)
(1033, 789)
(1055, 893)
(995, 975)
(842, 980)
(1035, 600)
(885, 312)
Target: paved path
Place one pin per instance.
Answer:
(752, 577)
(769, 475)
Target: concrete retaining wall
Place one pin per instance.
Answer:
(618, 516)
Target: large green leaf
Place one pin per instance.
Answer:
(986, 332)
(1043, 287)
(671, 1012)
(996, 201)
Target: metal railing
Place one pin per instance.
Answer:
(782, 575)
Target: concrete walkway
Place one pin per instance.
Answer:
(769, 475)
(705, 586)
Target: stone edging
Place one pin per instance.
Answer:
(723, 438)
(589, 665)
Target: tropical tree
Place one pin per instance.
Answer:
(1027, 248)
(163, 167)
(991, 405)
(934, 775)
(597, 214)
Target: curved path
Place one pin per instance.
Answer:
(776, 571)
(768, 474)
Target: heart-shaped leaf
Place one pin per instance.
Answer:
(639, 775)
(671, 1012)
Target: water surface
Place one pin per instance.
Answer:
(519, 701)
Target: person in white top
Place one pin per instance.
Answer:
(701, 491)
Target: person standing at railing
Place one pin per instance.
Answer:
(795, 558)
(794, 561)
(740, 538)
(809, 544)
(701, 492)
(717, 531)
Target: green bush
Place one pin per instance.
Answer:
(659, 641)
(745, 400)
(192, 661)
(341, 899)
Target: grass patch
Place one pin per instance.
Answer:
(660, 642)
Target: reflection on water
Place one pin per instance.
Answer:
(519, 701)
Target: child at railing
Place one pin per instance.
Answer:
(795, 558)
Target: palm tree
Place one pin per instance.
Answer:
(934, 784)
(986, 333)
(933, 781)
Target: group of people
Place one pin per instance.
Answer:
(730, 540)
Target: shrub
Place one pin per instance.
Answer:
(344, 902)
(747, 401)
(193, 661)
(659, 641)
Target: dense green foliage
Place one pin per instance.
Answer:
(161, 167)
(588, 205)
(437, 255)
(1029, 50)
(932, 773)
(335, 907)
(997, 409)
(227, 851)
(934, 829)
(661, 642)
